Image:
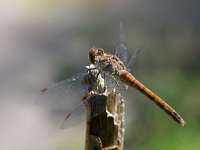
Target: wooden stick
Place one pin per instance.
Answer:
(105, 122)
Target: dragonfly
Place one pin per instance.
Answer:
(113, 65)
(81, 87)
(116, 71)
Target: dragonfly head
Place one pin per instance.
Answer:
(94, 53)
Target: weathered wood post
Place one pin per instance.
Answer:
(105, 131)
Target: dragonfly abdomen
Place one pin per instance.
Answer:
(130, 80)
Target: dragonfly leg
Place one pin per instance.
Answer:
(87, 95)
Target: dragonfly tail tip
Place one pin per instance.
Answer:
(182, 122)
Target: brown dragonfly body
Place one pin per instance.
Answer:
(114, 66)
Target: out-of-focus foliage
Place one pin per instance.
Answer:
(42, 41)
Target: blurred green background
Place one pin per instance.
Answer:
(43, 41)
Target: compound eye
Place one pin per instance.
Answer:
(100, 51)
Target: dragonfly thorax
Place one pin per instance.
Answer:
(106, 62)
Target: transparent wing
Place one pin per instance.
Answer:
(121, 50)
(75, 117)
(63, 92)
(78, 114)
(131, 62)
(112, 83)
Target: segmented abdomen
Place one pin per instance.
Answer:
(130, 80)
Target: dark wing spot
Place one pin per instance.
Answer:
(44, 90)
